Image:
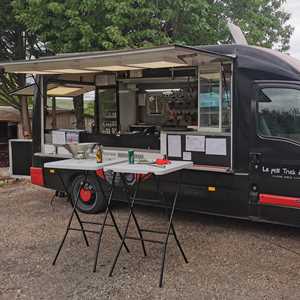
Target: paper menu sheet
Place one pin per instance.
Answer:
(58, 137)
(195, 143)
(216, 146)
(174, 146)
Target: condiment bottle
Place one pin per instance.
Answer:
(99, 154)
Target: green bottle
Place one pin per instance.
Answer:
(130, 156)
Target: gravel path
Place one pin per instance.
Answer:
(228, 259)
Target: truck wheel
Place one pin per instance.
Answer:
(91, 200)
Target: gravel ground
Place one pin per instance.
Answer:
(229, 259)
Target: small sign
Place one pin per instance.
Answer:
(187, 156)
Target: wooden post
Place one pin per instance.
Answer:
(79, 111)
(54, 125)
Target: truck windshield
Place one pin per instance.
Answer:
(279, 113)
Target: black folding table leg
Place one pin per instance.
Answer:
(131, 203)
(104, 221)
(110, 211)
(77, 197)
(168, 234)
(67, 231)
(52, 200)
(178, 243)
(117, 229)
(82, 229)
(70, 220)
(172, 226)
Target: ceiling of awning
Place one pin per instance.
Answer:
(57, 90)
(115, 61)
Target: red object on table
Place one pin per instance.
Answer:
(161, 161)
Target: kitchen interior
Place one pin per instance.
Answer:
(133, 108)
(168, 100)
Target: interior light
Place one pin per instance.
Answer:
(115, 68)
(158, 64)
(162, 90)
(69, 71)
(63, 91)
(213, 76)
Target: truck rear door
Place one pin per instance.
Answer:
(275, 152)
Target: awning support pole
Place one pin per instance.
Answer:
(39, 96)
(97, 111)
(118, 105)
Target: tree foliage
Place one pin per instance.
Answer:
(28, 28)
(9, 32)
(81, 25)
(16, 43)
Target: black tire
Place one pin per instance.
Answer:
(91, 200)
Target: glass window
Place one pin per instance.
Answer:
(209, 100)
(279, 113)
(215, 99)
(108, 111)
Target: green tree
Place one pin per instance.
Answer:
(264, 22)
(15, 43)
(85, 25)
(81, 25)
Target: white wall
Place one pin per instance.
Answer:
(127, 109)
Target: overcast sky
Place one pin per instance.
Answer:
(293, 7)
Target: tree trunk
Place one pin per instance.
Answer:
(20, 53)
(79, 111)
(25, 120)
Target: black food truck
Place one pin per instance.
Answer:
(234, 110)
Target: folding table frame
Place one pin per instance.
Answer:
(170, 229)
(81, 222)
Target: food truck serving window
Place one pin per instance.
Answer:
(215, 98)
(279, 113)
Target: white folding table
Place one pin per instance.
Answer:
(157, 171)
(86, 167)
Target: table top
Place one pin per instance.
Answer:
(81, 164)
(125, 167)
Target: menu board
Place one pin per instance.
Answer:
(210, 149)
